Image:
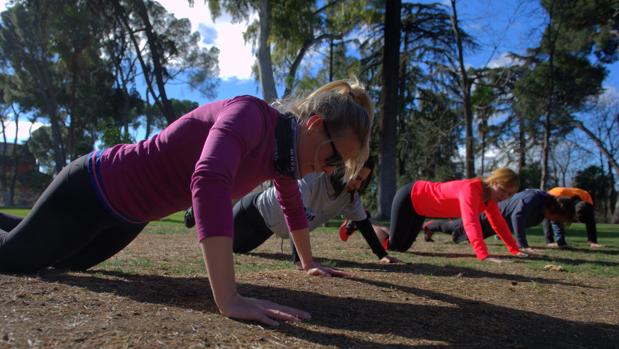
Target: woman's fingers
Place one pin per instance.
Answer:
(493, 259)
(337, 272)
(264, 311)
(297, 314)
(389, 260)
(319, 270)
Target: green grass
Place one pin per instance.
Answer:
(581, 260)
(20, 212)
(157, 227)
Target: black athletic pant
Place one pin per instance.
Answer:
(66, 228)
(588, 218)
(455, 228)
(250, 230)
(405, 222)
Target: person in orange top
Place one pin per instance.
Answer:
(583, 204)
(466, 198)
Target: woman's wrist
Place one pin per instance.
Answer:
(307, 265)
(225, 301)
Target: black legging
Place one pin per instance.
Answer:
(405, 222)
(66, 228)
(587, 216)
(250, 230)
(455, 228)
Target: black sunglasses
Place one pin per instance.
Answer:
(335, 159)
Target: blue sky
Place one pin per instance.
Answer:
(500, 26)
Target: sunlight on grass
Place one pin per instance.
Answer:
(581, 260)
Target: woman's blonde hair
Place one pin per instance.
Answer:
(504, 177)
(346, 108)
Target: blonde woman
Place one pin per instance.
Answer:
(205, 159)
(464, 199)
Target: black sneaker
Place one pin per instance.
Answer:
(190, 221)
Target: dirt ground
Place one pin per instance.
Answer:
(155, 293)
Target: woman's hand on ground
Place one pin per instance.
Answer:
(522, 254)
(390, 260)
(261, 310)
(315, 269)
(528, 250)
(494, 260)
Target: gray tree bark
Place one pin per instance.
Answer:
(265, 65)
(389, 107)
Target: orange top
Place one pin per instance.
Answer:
(571, 192)
(462, 198)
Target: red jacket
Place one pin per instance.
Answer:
(465, 199)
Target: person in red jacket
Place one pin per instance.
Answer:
(465, 199)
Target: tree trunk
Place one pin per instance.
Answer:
(121, 16)
(389, 107)
(545, 152)
(265, 66)
(549, 106)
(292, 72)
(611, 195)
(4, 166)
(60, 157)
(522, 147)
(10, 201)
(611, 160)
(466, 96)
(402, 93)
(158, 69)
(483, 153)
(330, 60)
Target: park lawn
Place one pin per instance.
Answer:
(580, 260)
(155, 293)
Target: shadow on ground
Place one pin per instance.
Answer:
(428, 269)
(461, 322)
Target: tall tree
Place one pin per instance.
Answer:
(389, 106)
(608, 144)
(166, 49)
(564, 73)
(27, 33)
(240, 10)
(286, 31)
(465, 86)
(481, 102)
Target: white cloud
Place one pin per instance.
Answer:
(235, 57)
(504, 60)
(23, 131)
(609, 97)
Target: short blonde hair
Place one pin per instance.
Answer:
(504, 177)
(347, 110)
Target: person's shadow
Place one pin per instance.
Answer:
(417, 268)
(455, 321)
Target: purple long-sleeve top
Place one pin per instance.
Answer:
(217, 152)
